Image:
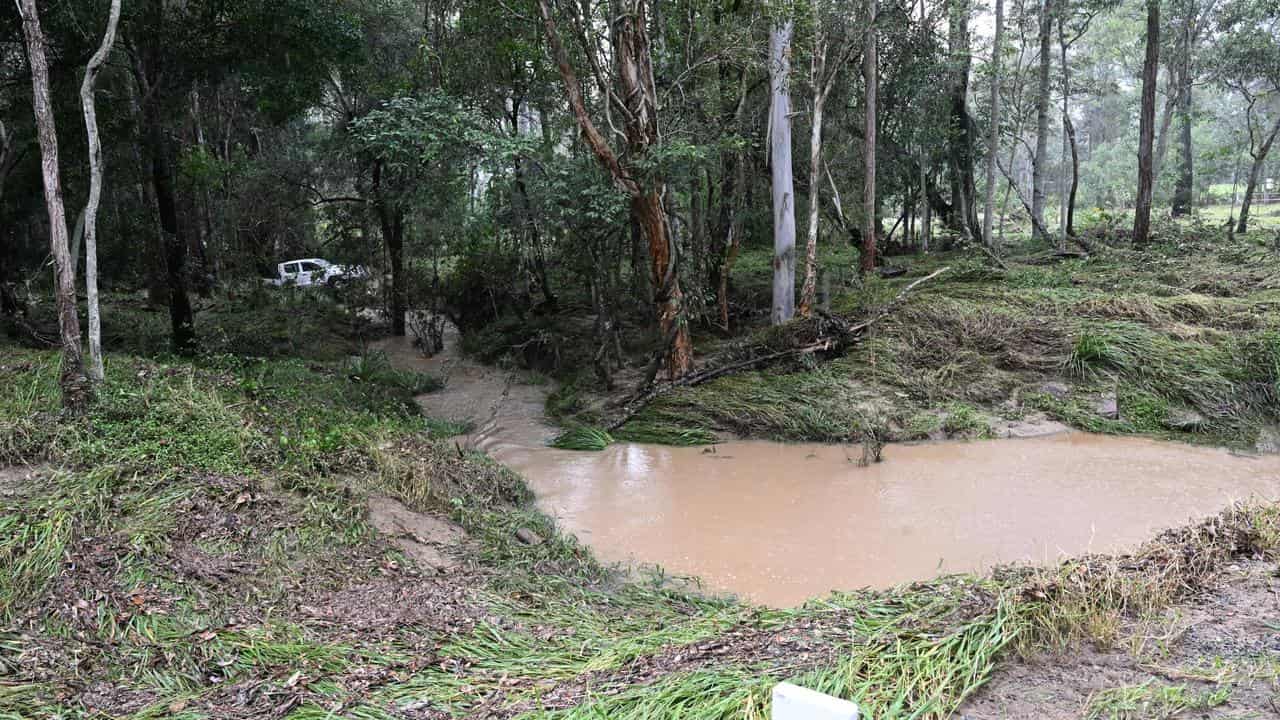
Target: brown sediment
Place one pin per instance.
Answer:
(779, 523)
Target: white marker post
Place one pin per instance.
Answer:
(792, 702)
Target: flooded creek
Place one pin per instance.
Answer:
(780, 523)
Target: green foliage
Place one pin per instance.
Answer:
(374, 366)
(1152, 700)
(583, 438)
(422, 143)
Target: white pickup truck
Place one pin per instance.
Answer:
(315, 271)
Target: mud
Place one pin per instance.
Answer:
(431, 542)
(1225, 636)
(780, 523)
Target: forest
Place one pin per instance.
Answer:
(385, 359)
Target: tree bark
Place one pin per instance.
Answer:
(1068, 147)
(1172, 88)
(149, 74)
(1075, 175)
(870, 69)
(817, 78)
(993, 132)
(729, 224)
(636, 83)
(391, 222)
(1183, 188)
(75, 386)
(99, 58)
(1146, 126)
(784, 208)
(1255, 174)
(963, 217)
(1039, 163)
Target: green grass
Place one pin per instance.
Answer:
(1190, 324)
(201, 502)
(583, 438)
(1152, 700)
(545, 615)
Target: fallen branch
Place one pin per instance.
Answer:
(833, 334)
(1036, 224)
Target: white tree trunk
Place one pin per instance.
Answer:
(99, 58)
(784, 207)
(993, 133)
(75, 390)
(818, 78)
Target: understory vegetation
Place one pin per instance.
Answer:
(228, 229)
(1181, 341)
(199, 545)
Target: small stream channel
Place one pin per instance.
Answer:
(780, 523)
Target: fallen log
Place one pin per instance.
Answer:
(824, 333)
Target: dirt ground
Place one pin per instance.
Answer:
(1226, 637)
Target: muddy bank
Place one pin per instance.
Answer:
(780, 523)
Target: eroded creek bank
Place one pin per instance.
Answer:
(780, 523)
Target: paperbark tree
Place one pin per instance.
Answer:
(637, 99)
(75, 386)
(1146, 126)
(95, 189)
(784, 206)
(993, 132)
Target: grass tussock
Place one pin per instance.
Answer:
(583, 438)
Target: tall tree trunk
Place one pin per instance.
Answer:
(391, 222)
(926, 212)
(784, 206)
(1039, 163)
(148, 74)
(636, 83)
(1075, 176)
(870, 70)
(993, 132)
(817, 78)
(1065, 196)
(964, 218)
(638, 88)
(75, 386)
(1255, 174)
(727, 237)
(1146, 126)
(95, 190)
(1183, 188)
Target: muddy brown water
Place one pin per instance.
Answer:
(781, 523)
